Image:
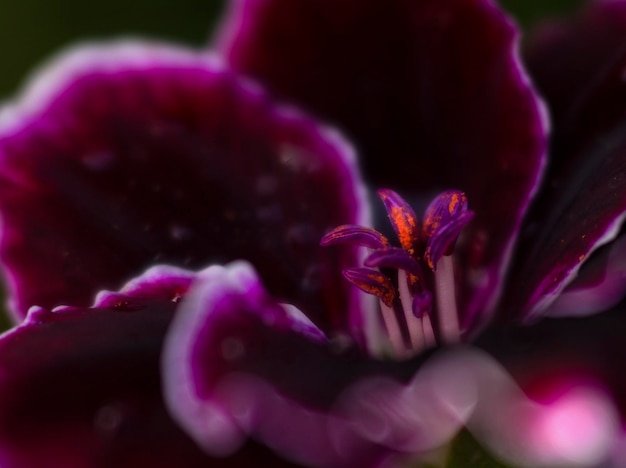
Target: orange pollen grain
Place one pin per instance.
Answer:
(406, 227)
(431, 224)
(385, 294)
(455, 199)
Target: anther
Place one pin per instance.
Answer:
(423, 260)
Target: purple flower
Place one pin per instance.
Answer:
(212, 177)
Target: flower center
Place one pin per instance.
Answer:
(415, 283)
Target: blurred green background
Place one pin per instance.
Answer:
(31, 30)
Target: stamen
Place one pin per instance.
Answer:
(444, 219)
(429, 334)
(393, 257)
(414, 324)
(402, 219)
(352, 234)
(446, 301)
(423, 259)
(393, 329)
(372, 282)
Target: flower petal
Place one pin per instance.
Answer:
(583, 205)
(587, 215)
(124, 155)
(578, 66)
(81, 387)
(554, 352)
(431, 91)
(238, 364)
(599, 285)
(565, 57)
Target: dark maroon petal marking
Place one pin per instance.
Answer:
(356, 235)
(372, 282)
(126, 155)
(237, 364)
(402, 218)
(431, 92)
(393, 257)
(81, 388)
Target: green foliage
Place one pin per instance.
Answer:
(33, 30)
(466, 452)
(528, 12)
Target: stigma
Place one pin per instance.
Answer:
(414, 281)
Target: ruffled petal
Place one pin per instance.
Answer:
(125, 155)
(238, 364)
(430, 91)
(81, 387)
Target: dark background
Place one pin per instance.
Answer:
(32, 30)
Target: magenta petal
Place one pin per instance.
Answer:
(237, 364)
(599, 285)
(589, 348)
(81, 387)
(431, 92)
(125, 155)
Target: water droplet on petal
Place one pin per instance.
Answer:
(98, 160)
(266, 185)
(302, 235)
(232, 349)
(108, 419)
(297, 159)
(180, 233)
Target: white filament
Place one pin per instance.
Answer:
(446, 301)
(393, 329)
(414, 324)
